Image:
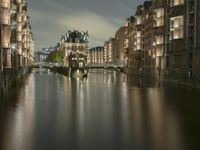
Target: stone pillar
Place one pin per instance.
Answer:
(8, 63)
(26, 61)
(1, 60)
(1, 71)
(16, 60)
(20, 60)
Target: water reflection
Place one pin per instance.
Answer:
(19, 118)
(108, 110)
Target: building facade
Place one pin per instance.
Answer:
(131, 44)
(96, 57)
(180, 39)
(16, 39)
(74, 43)
(42, 55)
(141, 59)
(136, 40)
(121, 46)
(109, 52)
(195, 6)
(164, 41)
(149, 58)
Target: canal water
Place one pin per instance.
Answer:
(106, 111)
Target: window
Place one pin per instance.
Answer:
(176, 2)
(178, 34)
(138, 20)
(138, 34)
(176, 27)
(159, 17)
(159, 40)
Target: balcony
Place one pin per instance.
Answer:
(174, 3)
(5, 36)
(176, 10)
(19, 27)
(176, 46)
(159, 31)
(19, 17)
(5, 4)
(18, 1)
(5, 17)
(19, 47)
(25, 45)
(19, 37)
(24, 17)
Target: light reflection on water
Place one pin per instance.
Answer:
(108, 110)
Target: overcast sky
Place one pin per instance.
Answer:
(52, 18)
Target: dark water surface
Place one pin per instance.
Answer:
(106, 111)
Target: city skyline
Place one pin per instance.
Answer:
(61, 16)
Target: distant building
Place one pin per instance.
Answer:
(131, 39)
(41, 56)
(121, 46)
(109, 50)
(74, 43)
(96, 56)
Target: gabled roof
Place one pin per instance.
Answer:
(76, 37)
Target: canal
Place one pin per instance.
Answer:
(106, 111)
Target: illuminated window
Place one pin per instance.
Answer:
(139, 46)
(138, 34)
(159, 17)
(159, 40)
(138, 20)
(176, 27)
(138, 40)
(176, 2)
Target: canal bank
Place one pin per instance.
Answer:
(9, 78)
(173, 78)
(159, 77)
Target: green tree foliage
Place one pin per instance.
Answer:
(55, 56)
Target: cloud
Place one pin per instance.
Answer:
(48, 27)
(52, 18)
(99, 28)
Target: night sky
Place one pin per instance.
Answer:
(52, 18)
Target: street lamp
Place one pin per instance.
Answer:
(13, 48)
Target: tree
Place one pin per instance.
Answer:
(55, 56)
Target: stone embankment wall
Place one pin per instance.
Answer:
(10, 78)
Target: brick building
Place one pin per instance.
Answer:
(16, 40)
(96, 56)
(109, 51)
(121, 46)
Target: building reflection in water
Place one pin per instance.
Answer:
(19, 125)
(107, 110)
(125, 114)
